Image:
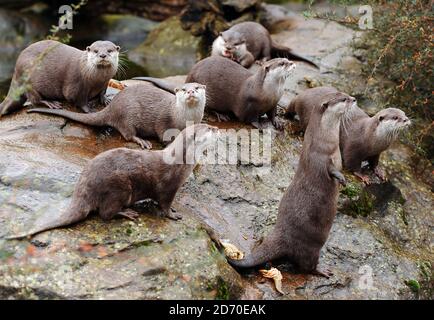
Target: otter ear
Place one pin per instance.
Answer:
(203, 86)
(259, 63)
(324, 106)
(220, 34)
(267, 68)
(177, 89)
(87, 49)
(118, 48)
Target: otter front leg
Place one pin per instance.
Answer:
(247, 60)
(336, 174)
(165, 203)
(276, 122)
(373, 163)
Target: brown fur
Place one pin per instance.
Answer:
(141, 110)
(52, 72)
(358, 139)
(308, 207)
(233, 89)
(258, 43)
(116, 179)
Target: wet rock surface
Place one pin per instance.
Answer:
(379, 246)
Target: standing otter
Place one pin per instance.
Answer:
(362, 138)
(246, 42)
(308, 207)
(146, 111)
(48, 71)
(232, 88)
(116, 179)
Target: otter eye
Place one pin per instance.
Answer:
(381, 118)
(109, 50)
(197, 88)
(395, 118)
(281, 64)
(96, 51)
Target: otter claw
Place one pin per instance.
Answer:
(144, 144)
(173, 216)
(365, 179)
(278, 124)
(129, 214)
(52, 104)
(326, 273)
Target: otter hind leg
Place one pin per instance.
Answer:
(129, 214)
(114, 202)
(52, 104)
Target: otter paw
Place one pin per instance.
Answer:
(278, 124)
(52, 104)
(144, 144)
(326, 273)
(173, 215)
(364, 178)
(129, 214)
(222, 117)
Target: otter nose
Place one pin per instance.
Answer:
(102, 55)
(190, 92)
(352, 99)
(406, 119)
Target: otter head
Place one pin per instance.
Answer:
(334, 108)
(390, 121)
(233, 44)
(191, 95)
(277, 69)
(103, 54)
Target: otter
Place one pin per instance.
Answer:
(362, 138)
(116, 179)
(146, 111)
(246, 42)
(308, 207)
(233, 89)
(48, 72)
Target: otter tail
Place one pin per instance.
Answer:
(265, 252)
(74, 213)
(93, 119)
(159, 83)
(278, 51)
(11, 103)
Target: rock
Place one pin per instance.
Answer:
(384, 253)
(153, 258)
(127, 31)
(17, 30)
(168, 50)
